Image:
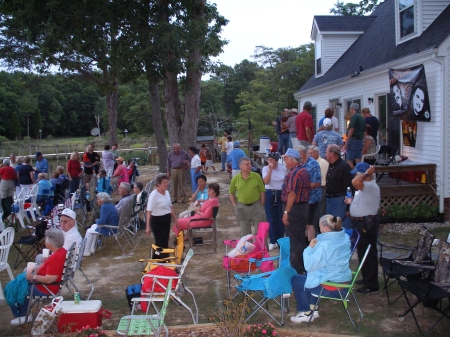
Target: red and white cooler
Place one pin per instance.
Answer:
(74, 317)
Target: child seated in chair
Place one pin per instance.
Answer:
(103, 184)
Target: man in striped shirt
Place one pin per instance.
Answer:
(295, 197)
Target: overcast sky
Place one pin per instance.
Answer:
(270, 23)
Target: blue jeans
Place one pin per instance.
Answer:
(283, 141)
(304, 297)
(337, 207)
(194, 176)
(223, 159)
(354, 149)
(74, 184)
(21, 310)
(274, 214)
(292, 135)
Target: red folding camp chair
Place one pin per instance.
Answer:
(240, 264)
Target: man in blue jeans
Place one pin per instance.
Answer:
(337, 180)
(355, 134)
(223, 154)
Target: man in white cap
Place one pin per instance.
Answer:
(69, 227)
(326, 137)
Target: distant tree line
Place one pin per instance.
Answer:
(66, 105)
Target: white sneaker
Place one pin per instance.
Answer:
(273, 246)
(304, 316)
(87, 254)
(21, 320)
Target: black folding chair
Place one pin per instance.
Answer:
(30, 245)
(432, 289)
(8, 216)
(394, 268)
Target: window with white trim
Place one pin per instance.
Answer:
(406, 17)
(318, 52)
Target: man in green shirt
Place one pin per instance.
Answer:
(355, 134)
(247, 195)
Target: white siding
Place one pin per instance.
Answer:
(431, 10)
(430, 139)
(446, 136)
(333, 46)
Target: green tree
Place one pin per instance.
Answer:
(77, 36)
(15, 128)
(172, 41)
(355, 9)
(28, 108)
(282, 72)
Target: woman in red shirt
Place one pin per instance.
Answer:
(8, 177)
(74, 171)
(50, 271)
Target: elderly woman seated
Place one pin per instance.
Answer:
(108, 216)
(206, 211)
(326, 259)
(50, 271)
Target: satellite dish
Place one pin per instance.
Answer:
(95, 132)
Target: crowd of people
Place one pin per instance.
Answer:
(302, 193)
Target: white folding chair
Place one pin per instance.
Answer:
(6, 241)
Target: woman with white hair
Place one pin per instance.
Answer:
(8, 178)
(108, 216)
(49, 272)
(74, 171)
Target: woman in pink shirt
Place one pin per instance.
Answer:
(206, 211)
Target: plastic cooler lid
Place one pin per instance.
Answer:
(68, 307)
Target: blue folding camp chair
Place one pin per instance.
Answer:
(260, 288)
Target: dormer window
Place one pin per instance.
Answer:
(318, 52)
(406, 17)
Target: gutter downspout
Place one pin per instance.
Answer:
(444, 153)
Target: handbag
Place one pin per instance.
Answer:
(46, 317)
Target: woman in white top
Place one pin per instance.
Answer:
(159, 212)
(196, 167)
(273, 176)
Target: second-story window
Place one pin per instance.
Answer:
(406, 16)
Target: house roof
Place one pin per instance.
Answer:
(334, 23)
(377, 45)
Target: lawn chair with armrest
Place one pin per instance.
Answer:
(393, 269)
(344, 290)
(431, 289)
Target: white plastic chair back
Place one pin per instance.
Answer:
(6, 240)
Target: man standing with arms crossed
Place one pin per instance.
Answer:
(294, 198)
(305, 127)
(247, 195)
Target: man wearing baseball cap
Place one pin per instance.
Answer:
(68, 225)
(327, 137)
(364, 216)
(234, 157)
(305, 126)
(294, 199)
(41, 165)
